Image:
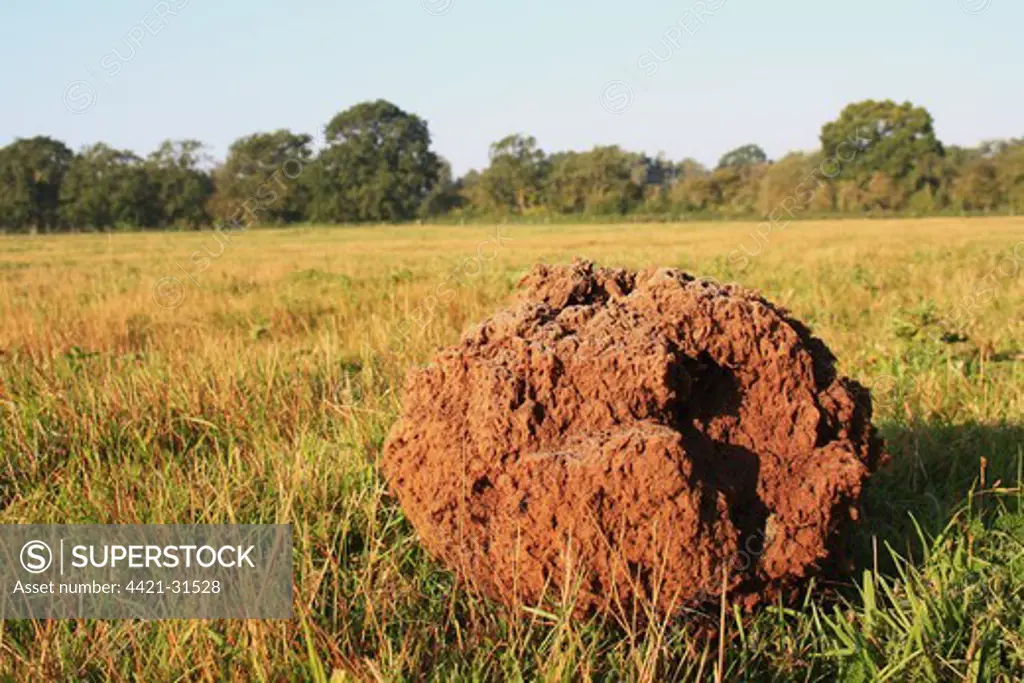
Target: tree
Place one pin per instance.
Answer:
(925, 202)
(792, 180)
(695, 193)
(105, 187)
(870, 137)
(516, 175)
(378, 166)
(747, 155)
(601, 181)
(653, 171)
(1010, 168)
(689, 167)
(850, 198)
(265, 169)
(883, 193)
(737, 188)
(468, 190)
(181, 188)
(654, 175)
(445, 195)
(31, 173)
(977, 188)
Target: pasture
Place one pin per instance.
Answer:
(142, 384)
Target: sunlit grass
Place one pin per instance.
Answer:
(266, 395)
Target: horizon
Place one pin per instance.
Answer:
(625, 78)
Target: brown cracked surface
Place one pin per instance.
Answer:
(616, 435)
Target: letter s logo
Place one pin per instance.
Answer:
(36, 557)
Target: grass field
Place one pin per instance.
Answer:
(263, 392)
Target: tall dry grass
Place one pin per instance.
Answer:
(266, 395)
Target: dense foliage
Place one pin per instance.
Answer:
(374, 163)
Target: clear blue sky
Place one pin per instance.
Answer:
(755, 71)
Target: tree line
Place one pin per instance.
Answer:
(374, 163)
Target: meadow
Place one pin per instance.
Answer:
(262, 392)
